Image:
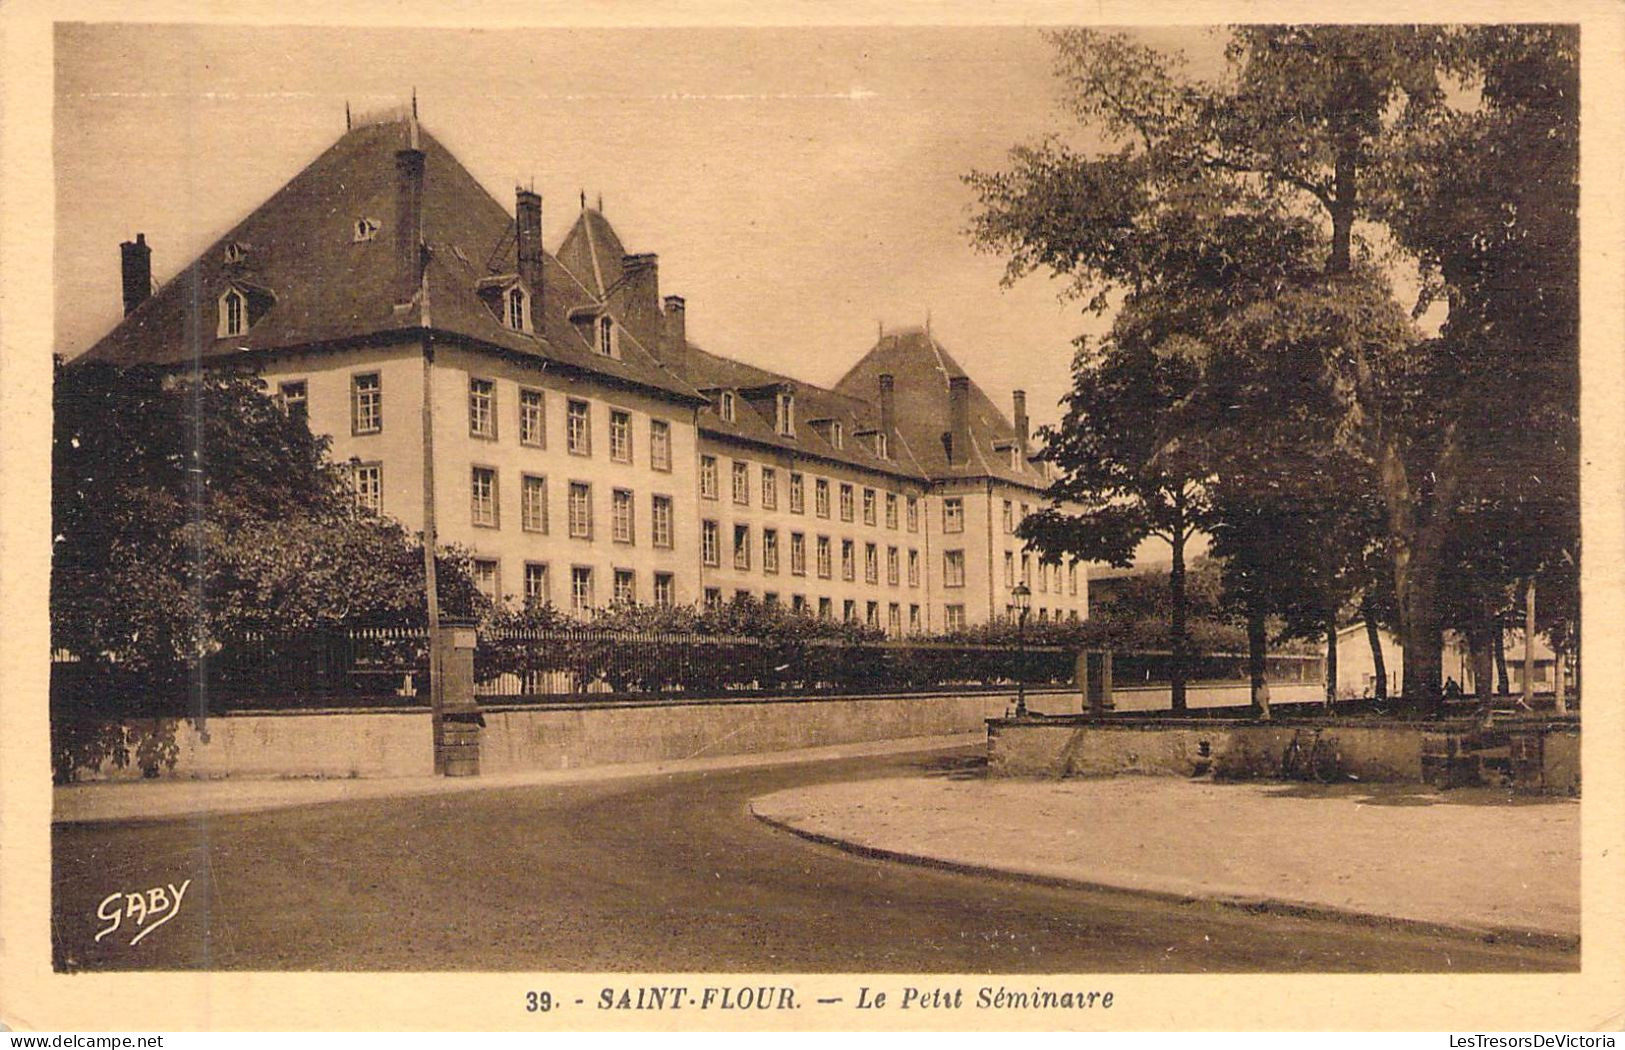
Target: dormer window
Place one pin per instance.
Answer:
(365, 230)
(608, 337)
(882, 448)
(787, 414)
(1015, 457)
(233, 313)
(837, 435)
(726, 406)
(517, 309)
(236, 252)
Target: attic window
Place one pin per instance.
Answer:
(1015, 457)
(365, 230)
(837, 435)
(236, 251)
(881, 447)
(517, 312)
(233, 313)
(726, 409)
(787, 414)
(608, 338)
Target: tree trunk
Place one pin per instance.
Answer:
(1331, 659)
(1559, 686)
(1373, 637)
(1257, 640)
(1342, 208)
(1481, 641)
(1419, 630)
(1529, 643)
(1498, 643)
(1176, 587)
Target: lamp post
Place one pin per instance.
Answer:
(1022, 596)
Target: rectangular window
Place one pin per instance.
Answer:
(482, 396)
(868, 506)
(798, 604)
(710, 543)
(578, 428)
(1027, 570)
(581, 589)
(368, 481)
(826, 608)
(660, 522)
(846, 502)
(741, 483)
(659, 445)
(708, 477)
(484, 493)
(621, 527)
(742, 547)
(849, 560)
(821, 497)
(849, 611)
(366, 404)
(580, 510)
(785, 405)
(871, 614)
(913, 568)
(953, 515)
(486, 579)
(871, 563)
(770, 550)
(894, 619)
(741, 596)
(892, 572)
(954, 617)
(533, 503)
(626, 587)
(914, 619)
(1043, 578)
(296, 399)
(824, 568)
(891, 510)
(953, 568)
(798, 494)
(620, 435)
(1072, 578)
(538, 588)
(1009, 569)
(713, 598)
(1009, 518)
(798, 553)
(665, 590)
(770, 489)
(771, 599)
(913, 514)
(532, 418)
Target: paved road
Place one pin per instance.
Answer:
(662, 873)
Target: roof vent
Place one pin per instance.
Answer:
(366, 230)
(236, 252)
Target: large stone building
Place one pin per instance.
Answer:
(547, 411)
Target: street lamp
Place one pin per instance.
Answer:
(1022, 596)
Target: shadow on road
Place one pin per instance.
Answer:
(955, 767)
(1417, 795)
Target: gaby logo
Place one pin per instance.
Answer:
(146, 910)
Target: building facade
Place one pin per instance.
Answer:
(547, 411)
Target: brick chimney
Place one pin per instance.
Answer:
(888, 407)
(528, 223)
(408, 224)
(638, 305)
(674, 345)
(1020, 399)
(958, 420)
(137, 262)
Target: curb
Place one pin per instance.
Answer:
(1532, 938)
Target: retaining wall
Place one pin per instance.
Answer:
(398, 742)
(1378, 753)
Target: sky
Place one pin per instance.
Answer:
(801, 186)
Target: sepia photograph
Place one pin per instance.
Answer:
(729, 508)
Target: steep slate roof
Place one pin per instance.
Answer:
(328, 287)
(921, 369)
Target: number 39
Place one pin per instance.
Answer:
(538, 1002)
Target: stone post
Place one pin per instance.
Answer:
(457, 732)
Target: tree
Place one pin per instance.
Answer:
(187, 509)
(1338, 126)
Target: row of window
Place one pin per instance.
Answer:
(367, 417)
(850, 612)
(823, 553)
(583, 598)
(1049, 574)
(486, 509)
(796, 494)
